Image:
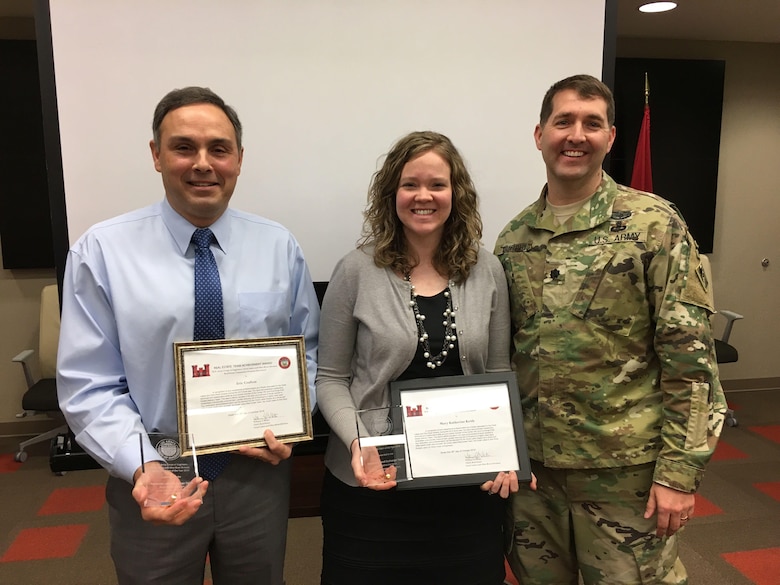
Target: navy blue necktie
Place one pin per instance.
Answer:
(209, 323)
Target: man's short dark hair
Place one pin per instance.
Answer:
(188, 96)
(587, 87)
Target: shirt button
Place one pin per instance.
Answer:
(463, 358)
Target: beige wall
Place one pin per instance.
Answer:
(747, 217)
(746, 222)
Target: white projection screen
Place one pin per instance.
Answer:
(323, 88)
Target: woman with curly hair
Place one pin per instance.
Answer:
(419, 254)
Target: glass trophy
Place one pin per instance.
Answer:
(173, 478)
(382, 441)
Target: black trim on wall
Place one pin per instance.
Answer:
(609, 57)
(51, 139)
(25, 220)
(610, 43)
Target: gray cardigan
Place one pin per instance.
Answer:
(368, 337)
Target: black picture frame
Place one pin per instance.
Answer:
(456, 384)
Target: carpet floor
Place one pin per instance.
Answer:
(54, 529)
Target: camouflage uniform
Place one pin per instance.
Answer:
(613, 353)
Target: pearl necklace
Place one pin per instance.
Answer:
(449, 327)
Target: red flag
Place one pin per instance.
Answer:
(642, 175)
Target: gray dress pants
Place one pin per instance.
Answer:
(241, 526)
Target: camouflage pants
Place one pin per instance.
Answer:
(589, 521)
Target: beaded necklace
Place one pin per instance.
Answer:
(449, 327)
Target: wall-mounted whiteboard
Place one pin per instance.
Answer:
(323, 88)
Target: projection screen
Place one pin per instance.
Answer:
(323, 88)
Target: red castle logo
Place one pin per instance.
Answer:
(412, 411)
(198, 372)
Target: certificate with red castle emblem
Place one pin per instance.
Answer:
(461, 429)
(229, 391)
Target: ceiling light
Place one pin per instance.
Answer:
(658, 6)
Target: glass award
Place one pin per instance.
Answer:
(173, 478)
(382, 441)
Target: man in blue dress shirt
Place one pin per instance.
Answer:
(127, 297)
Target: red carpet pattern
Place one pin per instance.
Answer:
(725, 451)
(54, 542)
(771, 432)
(760, 566)
(73, 500)
(7, 463)
(706, 508)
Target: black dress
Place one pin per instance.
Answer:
(450, 535)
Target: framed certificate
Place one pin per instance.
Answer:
(461, 430)
(229, 391)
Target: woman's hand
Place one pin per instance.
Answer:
(505, 483)
(368, 470)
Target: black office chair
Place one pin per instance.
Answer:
(41, 395)
(724, 351)
(727, 353)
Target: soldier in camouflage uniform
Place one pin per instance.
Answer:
(614, 358)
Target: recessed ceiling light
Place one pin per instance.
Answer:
(658, 6)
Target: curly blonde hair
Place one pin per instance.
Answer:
(382, 229)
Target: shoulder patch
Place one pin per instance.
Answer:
(698, 290)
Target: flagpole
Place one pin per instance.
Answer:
(642, 174)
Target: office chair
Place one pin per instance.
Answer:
(724, 351)
(727, 353)
(41, 395)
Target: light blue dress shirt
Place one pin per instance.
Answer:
(128, 295)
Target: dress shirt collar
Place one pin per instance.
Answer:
(182, 230)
